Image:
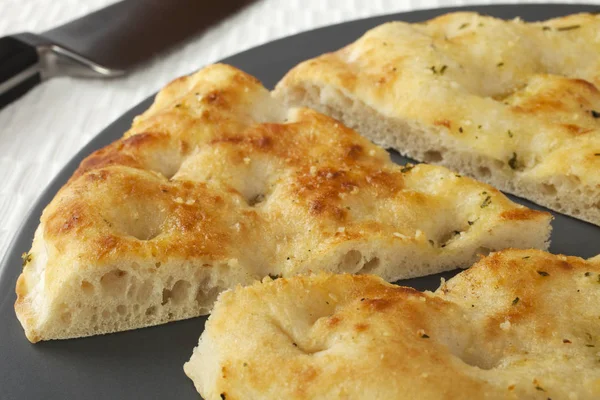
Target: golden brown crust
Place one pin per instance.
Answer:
(513, 104)
(519, 324)
(217, 184)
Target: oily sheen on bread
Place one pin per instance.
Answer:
(513, 104)
(217, 184)
(519, 324)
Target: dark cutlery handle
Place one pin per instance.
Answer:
(18, 69)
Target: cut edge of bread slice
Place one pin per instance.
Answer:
(428, 144)
(96, 300)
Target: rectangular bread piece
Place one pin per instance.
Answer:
(510, 103)
(218, 184)
(519, 324)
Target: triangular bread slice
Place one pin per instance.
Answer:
(217, 184)
(519, 324)
(513, 104)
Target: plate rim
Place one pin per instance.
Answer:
(23, 235)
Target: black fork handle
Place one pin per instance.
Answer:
(19, 70)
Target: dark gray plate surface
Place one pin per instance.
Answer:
(147, 363)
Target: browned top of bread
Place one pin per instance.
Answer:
(216, 172)
(518, 324)
(215, 163)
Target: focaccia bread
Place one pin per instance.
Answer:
(510, 103)
(217, 184)
(519, 324)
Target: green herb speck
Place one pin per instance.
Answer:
(486, 202)
(512, 163)
(568, 28)
(440, 71)
(26, 257)
(406, 168)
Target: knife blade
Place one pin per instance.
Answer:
(104, 44)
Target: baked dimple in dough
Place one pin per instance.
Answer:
(218, 184)
(519, 324)
(513, 104)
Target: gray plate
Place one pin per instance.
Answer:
(147, 363)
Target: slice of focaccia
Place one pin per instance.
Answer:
(510, 103)
(217, 184)
(520, 324)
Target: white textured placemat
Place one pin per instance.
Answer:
(41, 131)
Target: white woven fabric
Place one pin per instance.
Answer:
(41, 131)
